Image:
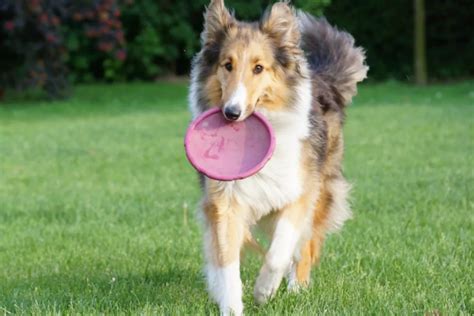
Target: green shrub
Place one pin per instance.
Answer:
(163, 36)
(118, 40)
(385, 30)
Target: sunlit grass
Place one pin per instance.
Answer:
(97, 199)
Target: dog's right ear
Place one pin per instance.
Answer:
(217, 20)
(281, 24)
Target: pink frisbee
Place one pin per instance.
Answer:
(227, 151)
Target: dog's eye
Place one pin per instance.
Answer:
(258, 69)
(228, 67)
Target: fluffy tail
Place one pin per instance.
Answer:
(332, 55)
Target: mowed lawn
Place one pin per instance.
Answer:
(97, 207)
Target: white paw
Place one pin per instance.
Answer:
(225, 288)
(235, 309)
(267, 284)
(293, 285)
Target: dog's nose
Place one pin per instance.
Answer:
(232, 113)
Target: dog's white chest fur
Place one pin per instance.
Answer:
(279, 182)
(276, 185)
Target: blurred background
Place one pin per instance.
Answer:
(54, 44)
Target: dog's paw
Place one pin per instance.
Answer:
(236, 309)
(267, 285)
(294, 285)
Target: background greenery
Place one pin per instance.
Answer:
(385, 30)
(164, 35)
(127, 40)
(97, 207)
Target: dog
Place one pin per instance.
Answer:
(300, 73)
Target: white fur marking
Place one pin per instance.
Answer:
(224, 284)
(277, 261)
(225, 288)
(340, 210)
(194, 91)
(293, 284)
(238, 98)
(283, 245)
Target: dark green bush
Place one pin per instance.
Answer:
(163, 36)
(95, 40)
(117, 40)
(385, 29)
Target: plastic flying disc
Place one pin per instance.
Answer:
(226, 151)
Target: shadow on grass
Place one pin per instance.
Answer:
(164, 291)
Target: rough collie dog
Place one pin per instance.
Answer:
(300, 73)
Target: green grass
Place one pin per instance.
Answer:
(97, 207)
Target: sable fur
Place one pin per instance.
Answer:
(335, 62)
(310, 74)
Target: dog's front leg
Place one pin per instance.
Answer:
(286, 237)
(222, 242)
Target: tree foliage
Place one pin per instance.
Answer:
(385, 30)
(118, 40)
(163, 36)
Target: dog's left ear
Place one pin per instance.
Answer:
(217, 20)
(281, 24)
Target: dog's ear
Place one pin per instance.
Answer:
(217, 20)
(281, 24)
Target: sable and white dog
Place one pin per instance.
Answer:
(300, 73)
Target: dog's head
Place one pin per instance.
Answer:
(249, 65)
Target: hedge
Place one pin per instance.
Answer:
(120, 40)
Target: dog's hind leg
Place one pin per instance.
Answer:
(286, 238)
(311, 250)
(331, 211)
(223, 239)
(300, 272)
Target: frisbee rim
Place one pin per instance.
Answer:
(246, 174)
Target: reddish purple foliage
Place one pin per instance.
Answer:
(34, 33)
(121, 55)
(9, 25)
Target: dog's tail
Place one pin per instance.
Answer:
(332, 56)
